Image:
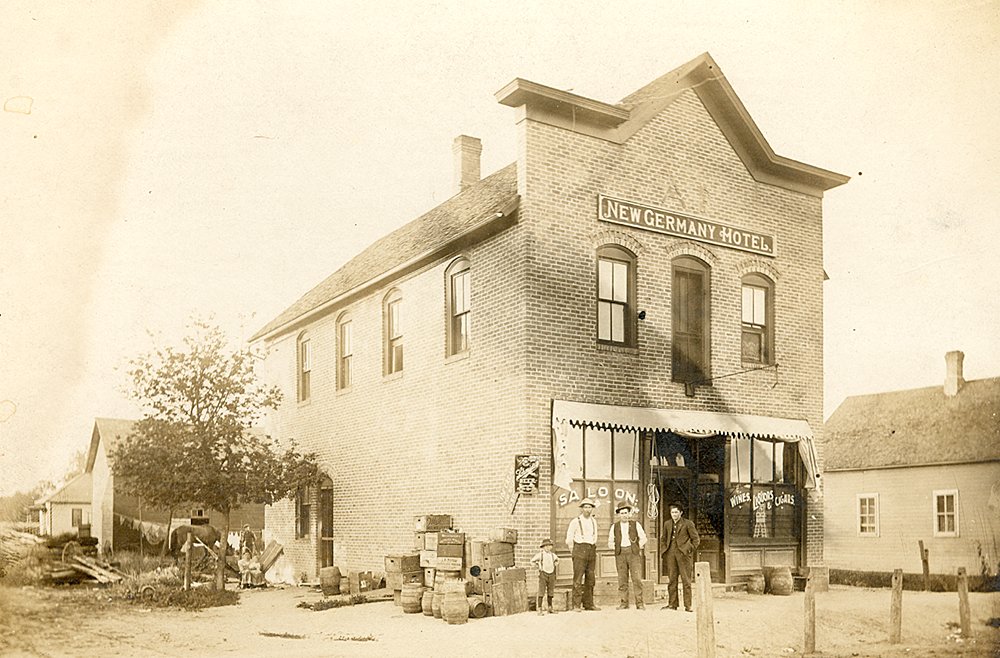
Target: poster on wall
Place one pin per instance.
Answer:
(526, 469)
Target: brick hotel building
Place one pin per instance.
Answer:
(636, 304)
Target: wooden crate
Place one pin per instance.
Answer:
(402, 563)
(509, 598)
(431, 540)
(450, 550)
(429, 576)
(396, 580)
(497, 548)
(449, 563)
(507, 535)
(433, 522)
(474, 552)
(449, 537)
(493, 562)
(428, 558)
(511, 575)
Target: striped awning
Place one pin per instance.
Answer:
(691, 424)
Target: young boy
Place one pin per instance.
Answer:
(546, 561)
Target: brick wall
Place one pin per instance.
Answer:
(441, 437)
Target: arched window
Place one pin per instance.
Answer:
(345, 353)
(392, 332)
(615, 296)
(757, 324)
(304, 367)
(690, 301)
(458, 284)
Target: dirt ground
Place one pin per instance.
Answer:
(850, 622)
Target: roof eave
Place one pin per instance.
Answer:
(520, 92)
(489, 225)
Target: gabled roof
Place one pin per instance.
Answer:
(916, 427)
(77, 490)
(702, 75)
(471, 215)
(110, 431)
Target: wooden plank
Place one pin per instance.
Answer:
(896, 607)
(703, 610)
(108, 576)
(509, 598)
(271, 553)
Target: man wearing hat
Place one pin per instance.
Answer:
(628, 540)
(681, 539)
(546, 561)
(581, 538)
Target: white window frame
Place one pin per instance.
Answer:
(934, 512)
(857, 512)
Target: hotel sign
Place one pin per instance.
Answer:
(658, 220)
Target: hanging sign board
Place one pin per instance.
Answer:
(526, 469)
(668, 222)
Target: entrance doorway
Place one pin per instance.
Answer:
(689, 471)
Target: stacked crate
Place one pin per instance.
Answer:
(492, 572)
(427, 530)
(401, 569)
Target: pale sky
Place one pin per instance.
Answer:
(225, 157)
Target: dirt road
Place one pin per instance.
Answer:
(850, 622)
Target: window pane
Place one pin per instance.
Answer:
(747, 304)
(603, 321)
(604, 279)
(759, 307)
(345, 339)
(626, 456)
(394, 328)
(779, 461)
(345, 372)
(574, 451)
(739, 470)
(621, 282)
(597, 453)
(763, 461)
(618, 323)
(306, 356)
(750, 345)
(467, 290)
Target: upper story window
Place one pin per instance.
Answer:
(345, 354)
(393, 333)
(946, 513)
(459, 293)
(757, 342)
(690, 300)
(615, 296)
(868, 515)
(304, 383)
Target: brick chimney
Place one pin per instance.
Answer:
(953, 379)
(466, 150)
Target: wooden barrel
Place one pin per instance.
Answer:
(329, 580)
(412, 596)
(436, 603)
(427, 602)
(781, 581)
(755, 585)
(477, 607)
(455, 608)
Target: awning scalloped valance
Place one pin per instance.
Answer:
(692, 424)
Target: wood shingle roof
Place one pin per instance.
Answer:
(916, 427)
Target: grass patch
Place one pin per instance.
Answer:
(354, 638)
(326, 604)
(197, 599)
(286, 636)
(912, 581)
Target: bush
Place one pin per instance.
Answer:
(911, 581)
(198, 598)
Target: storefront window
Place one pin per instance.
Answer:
(604, 465)
(763, 497)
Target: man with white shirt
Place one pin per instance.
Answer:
(628, 540)
(581, 538)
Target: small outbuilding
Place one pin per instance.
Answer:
(912, 466)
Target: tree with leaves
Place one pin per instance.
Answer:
(196, 443)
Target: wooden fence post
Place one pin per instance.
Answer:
(810, 617)
(924, 559)
(703, 610)
(187, 562)
(963, 603)
(896, 609)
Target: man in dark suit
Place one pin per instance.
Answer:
(681, 539)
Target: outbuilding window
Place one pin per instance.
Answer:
(757, 341)
(459, 295)
(946, 513)
(690, 300)
(867, 515)
(616, 291)
(77, 517)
